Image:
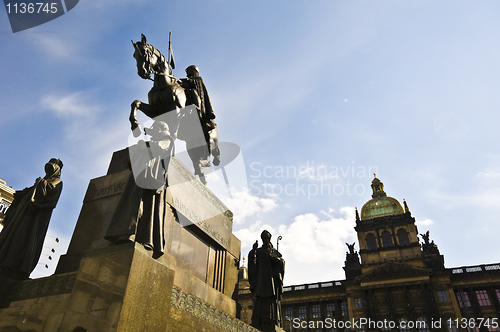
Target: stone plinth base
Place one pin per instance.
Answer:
(120, 288)
(116, 289)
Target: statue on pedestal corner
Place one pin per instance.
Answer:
(266, 269)
(27, 221)
(430, 253)
(142, 209)
(352, 267)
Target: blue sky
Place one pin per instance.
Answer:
(310, 91)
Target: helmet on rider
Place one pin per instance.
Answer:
(192, 71)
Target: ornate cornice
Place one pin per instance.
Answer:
(393, 269)
(49, 286)
(206, 312)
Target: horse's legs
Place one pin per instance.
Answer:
(147, 109)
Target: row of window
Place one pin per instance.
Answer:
(481, 295)
(315, 311)
(386, 237)
(463, 298)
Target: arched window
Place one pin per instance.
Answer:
(371, 243)
(422, 325)
(403, 237)
(387, 239)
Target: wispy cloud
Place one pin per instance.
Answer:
(424, 222)
(73, 105)
(487, 198)
(489, 174)
(57, 46)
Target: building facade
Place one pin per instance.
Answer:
(394, 283)
(6, 198)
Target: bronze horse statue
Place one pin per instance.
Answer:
(168, 101)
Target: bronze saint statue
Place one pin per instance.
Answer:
(139, 216)
(168, 100)
(266, 269)
(27, 221)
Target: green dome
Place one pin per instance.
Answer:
(380, 207)
(243, 273)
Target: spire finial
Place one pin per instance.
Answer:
(243, 262)
(377, 187)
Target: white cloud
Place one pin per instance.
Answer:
(486, 198)
(249, 235)
(244, 205)
(489, 174)
(66, 106)
(55, 46)
(86, 136)
(313, 248)
(425, 222)
(312, 240)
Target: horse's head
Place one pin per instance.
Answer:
(147, 58)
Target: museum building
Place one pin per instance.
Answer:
(394, 282)
(6, 198)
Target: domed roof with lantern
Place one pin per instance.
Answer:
(380, 205)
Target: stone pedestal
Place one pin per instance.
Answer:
(115, 289)
(105, 287)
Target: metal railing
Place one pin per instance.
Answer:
(312, 286)
(476, 268)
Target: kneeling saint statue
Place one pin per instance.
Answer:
(140, 214)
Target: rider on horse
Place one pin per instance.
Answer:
(197, 94)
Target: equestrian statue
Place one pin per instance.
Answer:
(183, 105)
